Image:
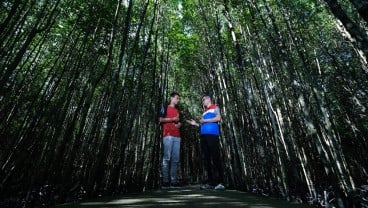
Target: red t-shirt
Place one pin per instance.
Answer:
(169, 128)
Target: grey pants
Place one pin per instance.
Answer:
(170, 159)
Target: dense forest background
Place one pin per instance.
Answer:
(82, 82)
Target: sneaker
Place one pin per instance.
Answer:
(220, 187)
(206, 186)
(165, 185)
(175, 185)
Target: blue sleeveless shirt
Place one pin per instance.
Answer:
(210, 128)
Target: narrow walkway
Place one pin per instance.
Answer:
(190, 196)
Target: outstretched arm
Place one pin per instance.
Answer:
(193, 122)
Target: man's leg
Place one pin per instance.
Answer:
(205, 153)
(175, 158)
(167, 146)
(214, 148)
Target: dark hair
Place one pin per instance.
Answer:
(207, 95)
(173, 94)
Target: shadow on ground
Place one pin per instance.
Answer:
(190, 196)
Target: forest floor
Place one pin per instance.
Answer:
(189, 196)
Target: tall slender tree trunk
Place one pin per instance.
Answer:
(359, 37)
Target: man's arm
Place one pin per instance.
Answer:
(165, 120)
(212, 120)
(169, 120)
(217, 118)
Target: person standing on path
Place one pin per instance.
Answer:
(169, 118)
(210, 144)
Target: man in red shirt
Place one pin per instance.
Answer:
(169, 119)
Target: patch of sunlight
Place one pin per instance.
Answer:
(311, 128)
(168, 201)
(188, 196)
(357, 102)
(177, 191)
(186, 190)
(92, 203)
(215, 203)
(125, 2)
(126, 201)
(135, 201)
(231, 204)
(242, 204)
(212, 197)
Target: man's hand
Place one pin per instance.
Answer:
(178, 125)
(175, 119)
(192, 122)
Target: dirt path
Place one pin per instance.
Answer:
(190, 196)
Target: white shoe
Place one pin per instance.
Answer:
(220, 187)
(206, 187)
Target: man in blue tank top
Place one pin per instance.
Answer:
(210, 144)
